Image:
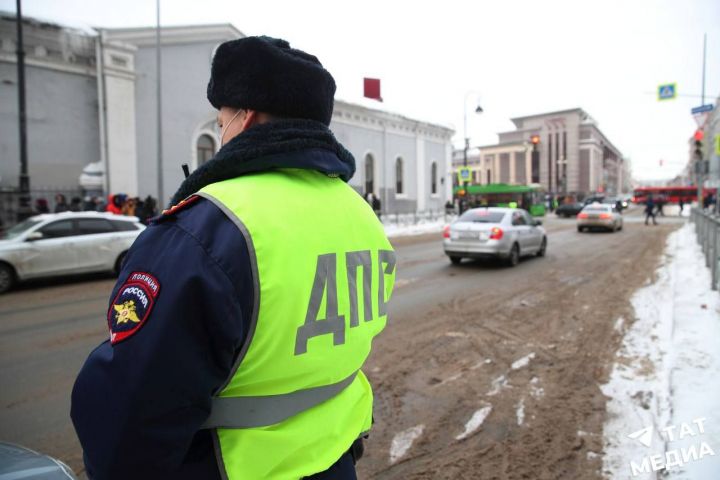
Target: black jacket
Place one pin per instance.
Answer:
(186, 287)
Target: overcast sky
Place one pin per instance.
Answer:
(521, 57)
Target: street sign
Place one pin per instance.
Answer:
(667, 91)
(702, 109)
(464, 174)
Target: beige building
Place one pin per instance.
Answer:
(573, 156)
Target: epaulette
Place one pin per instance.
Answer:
(176, 208)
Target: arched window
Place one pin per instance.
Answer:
(433, 178)
(205, 148)
(398, 175)
(369, 174)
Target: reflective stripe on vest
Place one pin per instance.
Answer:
(249, 412)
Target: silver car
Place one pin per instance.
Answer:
(506, 233)
(599, 215)
(65, 243)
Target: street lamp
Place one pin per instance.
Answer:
(478, 109)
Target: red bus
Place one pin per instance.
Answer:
(670, 194)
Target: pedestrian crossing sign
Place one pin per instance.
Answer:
(464, 174)
(667, 91)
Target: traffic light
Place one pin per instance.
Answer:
(699, 135)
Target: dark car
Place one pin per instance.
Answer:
(594, 199)
(569, 209)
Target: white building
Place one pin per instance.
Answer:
(92, 114)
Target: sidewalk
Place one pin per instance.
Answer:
(664, 406)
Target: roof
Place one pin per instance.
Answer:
(146, 36)
(547, 114)
(378, 107)
(58, 216)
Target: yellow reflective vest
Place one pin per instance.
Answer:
(324, 272)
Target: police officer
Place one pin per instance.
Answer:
(243, 315)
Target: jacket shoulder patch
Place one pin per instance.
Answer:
(132, 306)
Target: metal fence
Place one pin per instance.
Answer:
(707, 227)
(10, 201)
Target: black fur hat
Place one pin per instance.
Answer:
(265, 74)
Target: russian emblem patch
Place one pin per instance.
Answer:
(132, 305)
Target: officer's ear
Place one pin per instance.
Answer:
(249, 119)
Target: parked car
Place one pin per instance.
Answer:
(20, 462)
(617, 201)
(65, 243)
(506, 233)
(569, 209)
(601, 216)
(597, 198)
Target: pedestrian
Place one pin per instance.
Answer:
(41, 205)
(660, 204)
(650, 210)
(236, 337)
(128, 207)
(114, 204)
(61, 203)
(75, 204)
(377, 207)
(681, 204)
(150, 210)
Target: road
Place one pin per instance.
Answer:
(520, 351)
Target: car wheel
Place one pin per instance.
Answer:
(456, 260)
(514, 257)
(7, 277)
(119, 262)
(581, 229)
(543, 247)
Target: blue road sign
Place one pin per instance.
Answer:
(667, 92)
(702, 109)
(464, 174)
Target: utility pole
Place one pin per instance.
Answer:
(161, 201)
(24, 208)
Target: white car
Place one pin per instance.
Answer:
(493, 232)
(599, 215)
(65, 243)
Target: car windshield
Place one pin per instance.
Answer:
(596, 209)
(482, 216)
(19, 229)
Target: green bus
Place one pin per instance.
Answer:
(529, 197)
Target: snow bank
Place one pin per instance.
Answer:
(667, 372)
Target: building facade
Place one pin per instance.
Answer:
(92, 121)
(574, 156)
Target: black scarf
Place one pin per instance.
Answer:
(276, 144)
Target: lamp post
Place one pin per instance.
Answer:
(24, 208)
(478, 109)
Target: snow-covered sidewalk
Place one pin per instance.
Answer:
(419, 228)
(664, 407)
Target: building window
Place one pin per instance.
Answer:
(489, 176)
(399, 175)
(205, 149)
(369, 174)
(433, 178)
